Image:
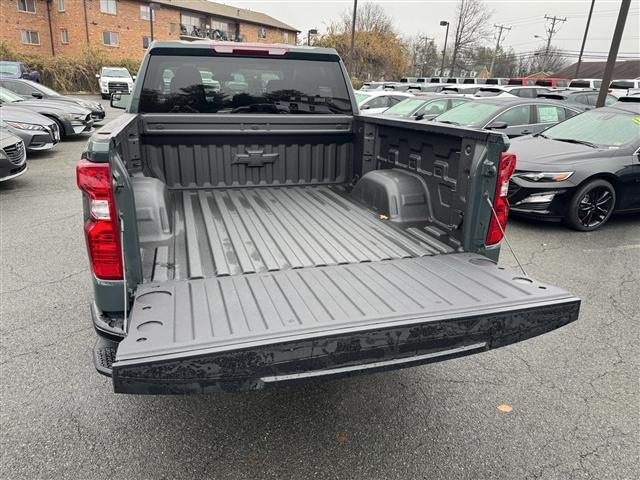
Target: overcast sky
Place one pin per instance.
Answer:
(526, 17)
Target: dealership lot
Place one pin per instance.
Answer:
(573, 392)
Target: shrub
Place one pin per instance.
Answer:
(66, 74)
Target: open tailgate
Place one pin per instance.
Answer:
(246, 331)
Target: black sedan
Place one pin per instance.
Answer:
(513, 116)
(31, 90)
(580, 171)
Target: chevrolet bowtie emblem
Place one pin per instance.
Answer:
(254, 158)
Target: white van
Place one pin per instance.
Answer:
(620, 88)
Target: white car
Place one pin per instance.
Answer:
(372, 102)
(585, 83)
(114, 79)
(620, 88)
(512, 90)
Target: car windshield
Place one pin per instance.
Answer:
(263, 85)
(405, 108)
(361, 97)
(11, 68)
(45, 90)
(9, 96)
(470, 113)
(606, 129)
(621, 84)
(115, 72)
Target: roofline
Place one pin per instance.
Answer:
(235, 19)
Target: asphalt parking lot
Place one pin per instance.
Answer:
(574, 393)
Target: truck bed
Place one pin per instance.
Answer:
(224, 232)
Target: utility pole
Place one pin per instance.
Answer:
(353, 30)
(424, 55)
(613, 52)
(584, 39)
(495, 52)
(550, 33)
(444, 23)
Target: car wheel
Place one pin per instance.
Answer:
(591, 206)
(60, 127)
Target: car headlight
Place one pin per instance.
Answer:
(545, 176)
(25, 126)
(78, 116)
(3, 156)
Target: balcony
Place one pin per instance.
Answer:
(191, 32)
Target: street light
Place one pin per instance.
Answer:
(152, 8)
(313, 31)
(444, 23)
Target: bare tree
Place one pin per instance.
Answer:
(425, 57)
(472, 27)
(540, 61)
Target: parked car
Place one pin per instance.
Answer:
(30, 90)
(522, 81)
(474, 81)
(512, 116)
(272, 261)
(427, 88)
(620, 88)
(18, 70)
(585, 83)
(525, 91)
(583, 97)
(553, 82)
(496, 81)
(408, 79)
(460, 89)
(13, 155)
(71, 119)
(36, 131)
(437, 80)
(420, 108)
(374, 102)
(582, 170)
(375, 85)
(114, 79)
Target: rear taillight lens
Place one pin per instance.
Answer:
(500, 201)
(101, 229)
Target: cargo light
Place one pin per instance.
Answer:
(249, 49)
(101, 228)
(498, 223)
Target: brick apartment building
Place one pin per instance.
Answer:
(123, 28)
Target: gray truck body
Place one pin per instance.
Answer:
(262, 249)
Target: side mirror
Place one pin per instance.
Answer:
(134, 78)
(26, 75)
(497, 126)
(419, 117)
(36, 94)
(97, 75)
(365, 107)
(120, 100)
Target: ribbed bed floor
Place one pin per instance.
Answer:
(238, 231)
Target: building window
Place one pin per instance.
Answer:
(61, 5)
(222, 26)
(110, 39)
(173, 28)
(64, 35)
(27, 6)
(285, 37)
(146, 12)
(145, 42)
(29, 37)
(108, 6)
(262, 32)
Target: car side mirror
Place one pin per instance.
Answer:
(365, 107)
(26, 75)
(120, 100)
(497, 126)
(134, 78)
(97, 75)
(419, 116)
(36, 94)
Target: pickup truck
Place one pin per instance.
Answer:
(264, 232)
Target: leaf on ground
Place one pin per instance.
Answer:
(341, 439)
(254, 460)
(504, 408)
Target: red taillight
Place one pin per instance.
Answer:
(500, 202)
(101, 229)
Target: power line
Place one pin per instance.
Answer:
(551, 31)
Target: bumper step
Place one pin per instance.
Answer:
(104, 354)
